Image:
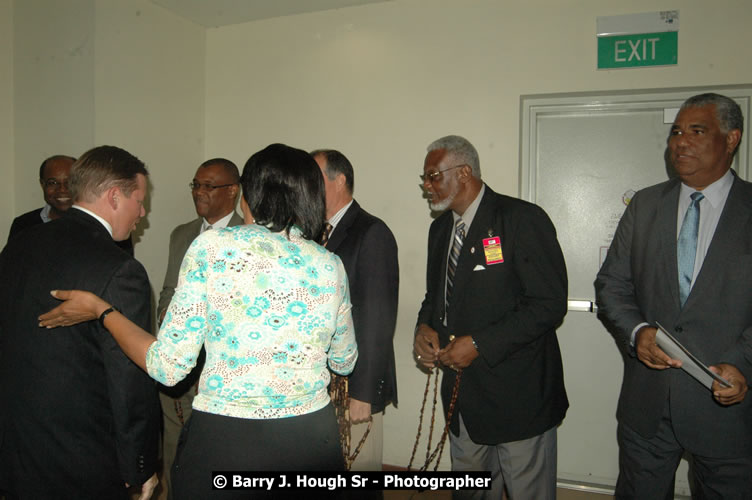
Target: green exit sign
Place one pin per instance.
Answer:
(632, 51)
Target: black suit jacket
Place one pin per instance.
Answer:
(77, 418)
(23, 221)
(514, 389)
(33, 218)
(368, 251)
(639, 283)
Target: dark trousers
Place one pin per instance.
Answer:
(218, 443)
(647, 467)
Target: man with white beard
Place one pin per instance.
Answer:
(496, 292)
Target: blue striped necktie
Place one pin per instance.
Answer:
(454, 255)
(686, 246)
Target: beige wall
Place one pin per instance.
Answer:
(53, 69)
(149, 99)
(89, 72)
(378, 82)
(7, 150)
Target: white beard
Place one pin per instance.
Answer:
(442, 205)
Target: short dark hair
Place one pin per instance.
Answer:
(230, 167)
(104, 167)
(337, 163)
(53, 157)
(283, 187)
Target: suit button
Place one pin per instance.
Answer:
(678, 329)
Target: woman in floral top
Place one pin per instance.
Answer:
(272, 309)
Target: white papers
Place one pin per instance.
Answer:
(690, 364)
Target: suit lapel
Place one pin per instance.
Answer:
(195, 230)
(439, 246)
(667, 214)
(235, 220)
(727, 236)
(343, 226)
(482, 223)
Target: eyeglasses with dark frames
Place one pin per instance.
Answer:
(196, 186)
(435, 176)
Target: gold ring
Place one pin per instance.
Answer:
(418, 357)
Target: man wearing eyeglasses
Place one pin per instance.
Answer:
(496, 292)
(53, 177)
(215, 192)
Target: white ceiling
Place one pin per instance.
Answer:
(213, 13)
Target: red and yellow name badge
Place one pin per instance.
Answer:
(492, 249)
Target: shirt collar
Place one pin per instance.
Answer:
(716, 193)
(45, 213)
(471, 210)
(220, 224)
(106, 224)
(338, 216)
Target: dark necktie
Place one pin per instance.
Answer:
(454, 255)
(325, 235)
(686, 246)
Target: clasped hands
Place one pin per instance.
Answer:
(654, 357)
(458, 354)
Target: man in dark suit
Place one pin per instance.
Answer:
(215, 191)
(78, 419)
(53, 177)
(681, 257)
(496, 292)
(369, 253)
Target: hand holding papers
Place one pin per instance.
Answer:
(690, 364)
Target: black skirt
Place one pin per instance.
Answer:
(210, 443)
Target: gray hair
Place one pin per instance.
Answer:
(727, 111)
(461, 149)
(337, 163)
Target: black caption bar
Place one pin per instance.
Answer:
(402, 480)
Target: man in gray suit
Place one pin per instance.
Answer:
(215, 191)
(682, 257)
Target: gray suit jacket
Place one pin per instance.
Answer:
(180, 239)
(639, 283)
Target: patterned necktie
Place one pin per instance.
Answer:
(686, 246)
(454, 255)
(325, 235)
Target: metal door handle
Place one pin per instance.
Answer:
(582, 306)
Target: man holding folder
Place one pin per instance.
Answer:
(682, 257)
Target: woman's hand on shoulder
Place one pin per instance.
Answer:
(77, 306)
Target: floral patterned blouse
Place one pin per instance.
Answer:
(271, 312)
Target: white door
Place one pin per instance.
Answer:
(582, 158)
